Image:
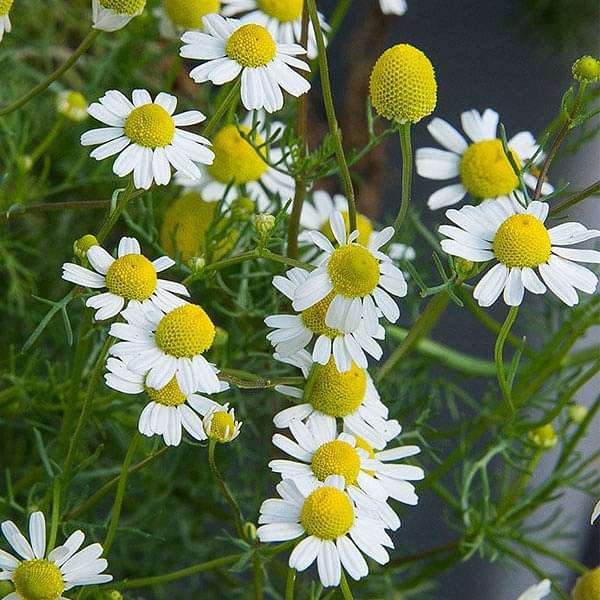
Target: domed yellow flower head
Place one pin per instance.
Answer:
(5, 6)
(124, 7)
(403, 86)
(220, 425)
(187, 14)
(586, 69)
(587, 586)
(544, 437)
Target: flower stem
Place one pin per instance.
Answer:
(407, 167)
(42, 86)
(345, 588)
(498, 357)
(334, 128)
(576, 198)
(290, 584)
(113, 216)
(55, 514)
(115, 515)
(222, 109)
(235, 507)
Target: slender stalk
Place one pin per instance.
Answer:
(235, 507)
(499, 358)
(576, 198)
(407, 168)
(47, 141)
(334, 128)
(290, 584)
(115, 515)
(403, 560)
(214, 121)
(345, 588)
(113, 217)
(258, 576)
(55, 515)
(43, 85)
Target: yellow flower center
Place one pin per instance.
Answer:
(185, 332)
(5, 6)
(251, 46)
(336, 458)
(187, 14)
(170, 395)
(327, 513)
(282, 10)
(222, 426)
(334, 393)
(132, 277)
(236, 160)
(485, 170)
(403, 86)
(363, 225)
(587, 586)
(314, 318)
(353, 270)
(38, 579)
(124, 7)
(150, 126)
(522, 241)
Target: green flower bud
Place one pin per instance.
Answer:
(587, 586)
(242, 207)
(196, 264)
(25, 163)
(250, 531)
(83, 244)
(264, 224)
(221, 338)
(586, 69)
(465, 269)
(577, 413)
(112, 595)
(544, 437)
(72, 105)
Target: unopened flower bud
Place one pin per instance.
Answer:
(196, 264)
(465, 269)
(242, 207)
(221, 338)
(586, 69)
(587, 586)
(83, 244)
(112, 595)
(72, 105)
(577, 413)
(264, 224)
(220, 424)
(25, 163)
(544, 437)
(250, 531)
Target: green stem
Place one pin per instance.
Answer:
(334, 128)
(499, 359)
(249, 381)
(345, 588)
(115, 514)
(42, 86)
(258, 576)
(337, 17)
(55, 515)
(47, 141)
(576, 198)
(113, 217)
(222, 109)
(290, 584)
(407, 167)
(235, 507)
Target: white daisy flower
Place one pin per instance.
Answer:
(482, 166)
(231, 48)
(282, 18)
(162, 345)
(147, 138)
(359, 276)
(393, 7)
(317, 217)
(294, 332)
(177, 16)
(111, 15)
(337, 530)
(5, 25)
(516, 237)
(321, 452)
(220, 424)
(329, 395)
(536, 592)
(237, 161)
(169, 408)
(48, 576)
(129, 277)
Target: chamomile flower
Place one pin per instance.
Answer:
(321, 452)
(238, 162)
(220, 424)
(169, 408)
(231, 48)
(162, 345)
(336, 529)
(177, 16)
(146, 136)
(72, 105)
(282, 18)
(5, 25)
(41, 576)
(536, 592)
(482, 166)
(129, 277)
(317, 217)
(329, 395)
(517, 239)
(393, 7)
(111, 15)
(293, 333)
(359, 277)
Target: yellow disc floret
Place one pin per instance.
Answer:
(236, 160)
(587, 586)
(403, 86)
(185, 332)
(187, 14)
(124, 7)
(353, 270)
(251, 46)
(132, 277)
(5, 6)
(38, 579)
(485, 171)
(314, 318)
(522, 241)
(150, 126)
(327, 513)
(334, 393)
(363, 226)
(222, 426)
(336, 458)
(170, 395)
(282, 10)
